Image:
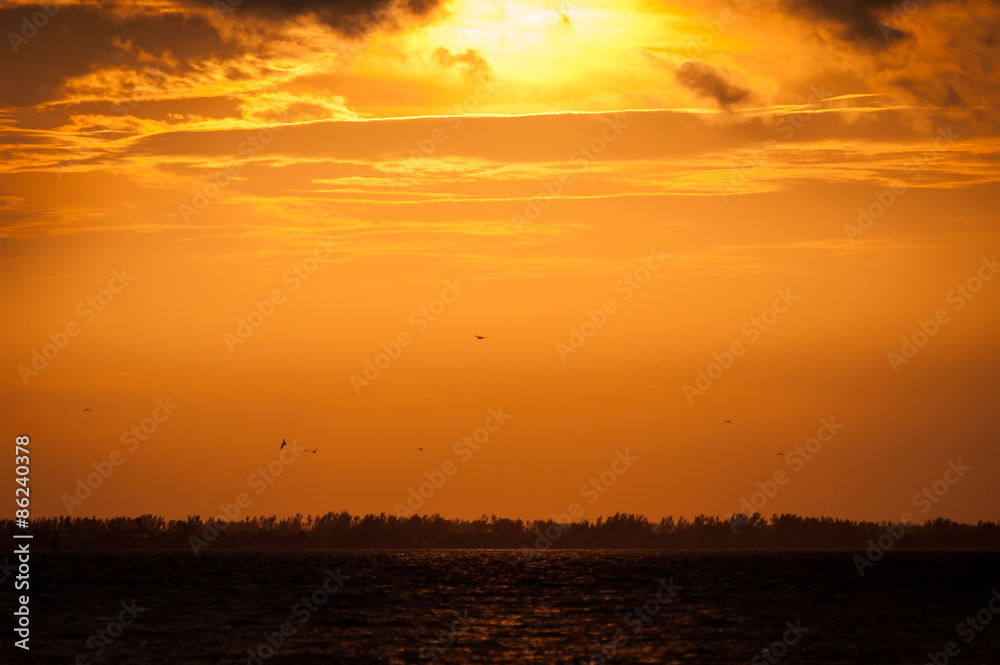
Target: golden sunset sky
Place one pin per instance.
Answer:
(240, 209)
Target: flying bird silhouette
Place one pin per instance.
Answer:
(283, 444)
(781, 454)
(481, 337)
(85, 410)
(726, 422)
(420, 449)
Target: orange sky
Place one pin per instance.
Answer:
(615, 193)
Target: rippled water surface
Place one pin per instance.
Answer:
(495, 607)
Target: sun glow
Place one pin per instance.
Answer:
(580, 53)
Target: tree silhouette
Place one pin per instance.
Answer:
(621, 530)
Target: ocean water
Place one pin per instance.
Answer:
(494, 606)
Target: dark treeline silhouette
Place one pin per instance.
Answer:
(343, 530)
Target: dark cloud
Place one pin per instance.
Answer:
(472, 59)
(44, 51)
(350, 17)
(708, 81)
(938, 92)
(951, 64)
(297, 112)
(856, 21)
(79, 39)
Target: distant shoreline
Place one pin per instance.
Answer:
(344, 548)
(343, 531)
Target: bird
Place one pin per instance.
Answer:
(726, 422)
(85, 410)
(420, 449)
(283, 444)
(781, 454)
(310, 451)
(481, 337)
